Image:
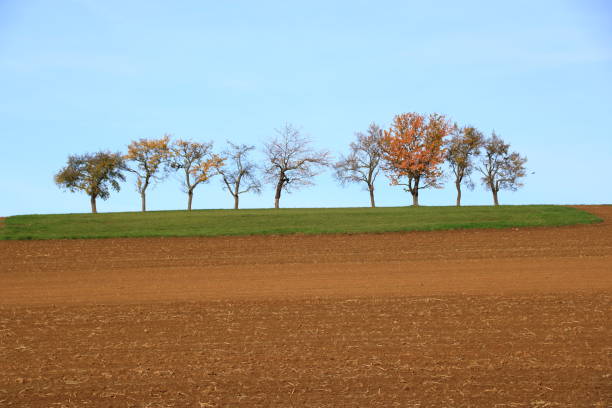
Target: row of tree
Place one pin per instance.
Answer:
(411, 153)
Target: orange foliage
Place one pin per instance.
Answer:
(413, 150)
(205, 169)
(149, 152)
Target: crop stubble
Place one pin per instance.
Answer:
(517, 318)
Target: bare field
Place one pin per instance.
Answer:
(505, 318)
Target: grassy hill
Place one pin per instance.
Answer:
(286, 221)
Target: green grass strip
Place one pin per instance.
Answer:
(211, 223)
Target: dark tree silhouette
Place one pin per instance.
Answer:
(95, 174)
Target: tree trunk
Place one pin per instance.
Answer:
(94, 210)
(372, 203)
(143, 192)
(458, 185)
(279, 189)
(414, 190)
(189, 187)
(189, 199)
(143, 199)
(236, 201)
(495, 200)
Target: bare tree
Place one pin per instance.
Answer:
(362, 163)
(465, 143)
(198, 163)
(292, 163)
(95, 174)
(239, 172)
(500, 169)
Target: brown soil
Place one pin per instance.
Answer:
(506, 318)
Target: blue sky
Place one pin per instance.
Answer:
(80, 76)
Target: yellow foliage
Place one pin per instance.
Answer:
(207, 168)
(148, 156)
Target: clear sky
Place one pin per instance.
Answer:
(84, 75)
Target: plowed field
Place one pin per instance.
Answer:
(480, 318)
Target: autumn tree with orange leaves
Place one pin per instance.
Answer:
(198, 163)
(149, 159)
(413, 151)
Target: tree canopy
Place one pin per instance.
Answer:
(149, 159)
(197, 161)
(465, 143)
(362, 164)
(95, 174)
(239, 172)
(500, 168)
(292, 162)
(413, 151)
